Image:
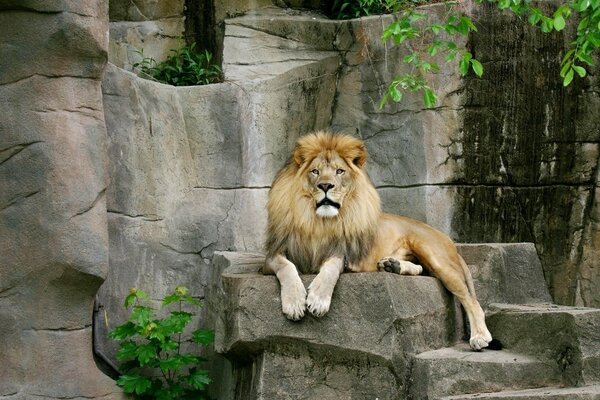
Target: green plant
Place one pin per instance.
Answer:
(153, 365)
(345, 9)
(183, 67)
(438, 38)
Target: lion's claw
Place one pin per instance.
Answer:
(293, 301)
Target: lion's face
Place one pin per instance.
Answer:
(322, 202)
(328, 181)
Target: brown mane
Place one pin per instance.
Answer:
(293, 227)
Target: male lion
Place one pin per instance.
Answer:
(325, 216)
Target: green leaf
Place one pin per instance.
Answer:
(568, 78)
(559, 23)
(463, 67)
(477, 67)
(580, 70)
(141, 315)
(130, 299)
(127, 351)
(177, 361)
(124, 331)
(145, 353)
(134, 384)
(191, 300)
(585, 58)
(409, 58)
(383, 101)
(172, 298)
(198, 379)
(429, 98)
(205, 336)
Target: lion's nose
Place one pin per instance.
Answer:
(325, 186)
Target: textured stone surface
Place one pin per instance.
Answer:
(252, 325)
(457, 370)
(153, 26)
(566, 336)
(373, 321)
(53, 226)
(506, 273)
(190, 169)
(391, 336)
(548, 393)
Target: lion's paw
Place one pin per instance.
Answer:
(293, 301)
(319, 298)
(478, 342)
(389, 264)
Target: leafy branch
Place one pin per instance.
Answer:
(406, 29)
(438, 38)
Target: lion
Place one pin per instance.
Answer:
(324, 218)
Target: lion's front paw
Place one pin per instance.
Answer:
(478, 342)
(293, 301)
(319, 297)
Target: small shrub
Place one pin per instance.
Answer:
(152, 363)
(346, 9)
(183, 67)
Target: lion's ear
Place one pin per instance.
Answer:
(298, 155)
(359, 156)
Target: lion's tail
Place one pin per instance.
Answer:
(468, 276)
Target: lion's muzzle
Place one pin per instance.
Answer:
(327, 208)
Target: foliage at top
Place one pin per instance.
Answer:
(412, 29)
(183, 67)
(153, 365)
(346, 9)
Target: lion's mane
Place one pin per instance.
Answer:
(296, 231)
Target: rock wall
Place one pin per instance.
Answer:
(507, 158)
(398, 337)
(53, 225)
(190, 167)
(153, 26)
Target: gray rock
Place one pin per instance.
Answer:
(547, 393)
(458, 370)
(400, 341)
(565, 336)
(53, 223)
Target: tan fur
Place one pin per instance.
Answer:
(353, 229)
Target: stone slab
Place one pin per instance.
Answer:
(458, 370)
(547, 393)
(565, 336)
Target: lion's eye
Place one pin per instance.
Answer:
(315, 172)
(339, 171)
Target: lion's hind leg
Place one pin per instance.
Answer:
(453, 275)
(399, 266)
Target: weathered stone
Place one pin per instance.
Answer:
(190, 170)
(565, 336)
(506, 273)
(136, 10)
(392, 333)
(546, 393)
(458, 370)
(53, 226)
(399, 316)
(130, 42)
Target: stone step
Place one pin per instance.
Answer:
(458, 370)
(546, 393)
(566, 336)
